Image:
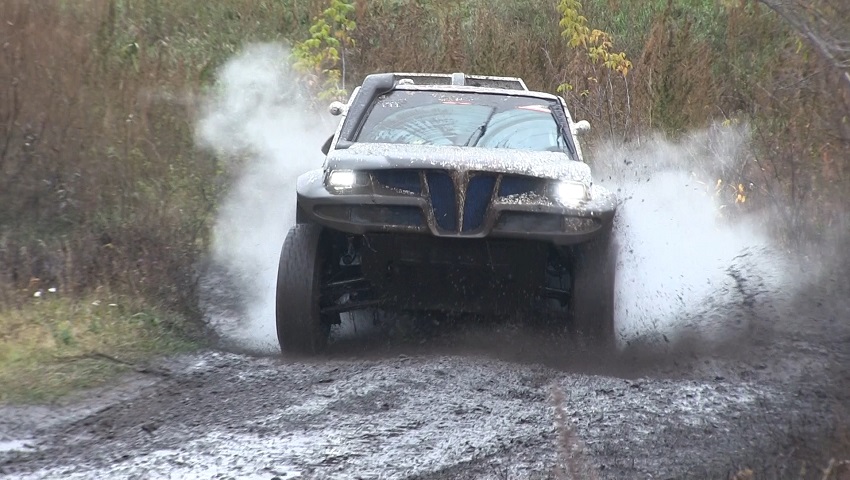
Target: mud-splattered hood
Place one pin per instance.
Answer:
(379, 156)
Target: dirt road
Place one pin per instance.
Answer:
(467, 400)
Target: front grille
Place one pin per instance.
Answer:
(479, 192)
(406, 181)
(518, 185)
(451, 213)
(443, 200)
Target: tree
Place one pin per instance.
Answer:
(825, 24)
(322, 56)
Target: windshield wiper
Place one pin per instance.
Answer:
(481, 130)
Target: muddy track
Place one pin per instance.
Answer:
(479, 401)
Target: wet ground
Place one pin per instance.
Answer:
(470, 400)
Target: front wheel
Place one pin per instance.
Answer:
(301, 327)
(593, 290)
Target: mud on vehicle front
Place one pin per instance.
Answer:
(448, 193)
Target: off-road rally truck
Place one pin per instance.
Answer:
(448, 193)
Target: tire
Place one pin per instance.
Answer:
(593, 290)
(301, 328)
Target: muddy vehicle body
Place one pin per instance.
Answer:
(448, 193)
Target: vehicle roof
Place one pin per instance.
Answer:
(473, 89)
(456, 82)
(457, 79)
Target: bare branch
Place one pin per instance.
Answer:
(824, 24)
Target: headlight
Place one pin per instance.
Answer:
(570, 193)
(345, 179)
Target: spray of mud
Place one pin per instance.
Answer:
(259, 119)
(690, 267)
(693, 267)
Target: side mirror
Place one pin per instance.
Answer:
(337, 108)
(326, 147)
(581, 127)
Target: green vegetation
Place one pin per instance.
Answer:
(102, 189)
(55, 345)
(322, 56)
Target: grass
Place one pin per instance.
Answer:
(53, 344)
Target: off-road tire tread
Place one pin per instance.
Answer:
(297, 309)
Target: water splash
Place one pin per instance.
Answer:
(259, 118)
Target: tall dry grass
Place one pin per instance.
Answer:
(99, 182)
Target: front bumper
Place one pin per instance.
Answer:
(522, 216)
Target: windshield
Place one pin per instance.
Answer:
(463, 119)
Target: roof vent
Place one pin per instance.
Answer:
(458, 79)
(405, 81)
